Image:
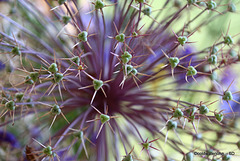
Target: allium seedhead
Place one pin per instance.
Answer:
(60, 2)
(232, 7)
(55, 110)
(128, 157)
(53, 68)
(120, 37)
(147, 11)
(97, 84)
(28, 80)
(83, 36)
(182, 40)
(178, 113)
(174, 61)
(191, 71)
(189, 156)
(78, 134)
(58, 77)
(171, 125)
(76, 60)
(226, 157)
(228, 40)
(203, 109)
(126, 57)
(34, 76)
(10, 105)
(219, 116)
(104, 118)
(213, 60)
(99, 4)
(146, 145)
(227, 96)
(19, 96)
(211, 5)
(16, 51)
(66, 19)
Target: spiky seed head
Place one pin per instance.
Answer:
(55, 110)
(48, 151)
(182, 40)
(134, 34)
(191, 71)
(82, 36)
(171, 125)
(10, 105)
(16, 51)
(19, 96)
(120, 37)
(53, 68)
(97, 84)
(104, 118)
(178, 113)
(174, 61)
(227, 96)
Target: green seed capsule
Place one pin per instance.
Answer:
(34, 76)
(219, 116)
(189, 156)
(60, 2)
(232, 7)
(97, 84)
(120, 37)
(104, 118)
(227, 96)
(53, 68)
(128, 158)
(28, 80)
(146, 145)
(4, 101)
(203, 4)
(228, 40)
(191, 2)
(30, 105)
(16, 51)
(19, 96)
(134, 34)
(182, 40)
(126, 57)
(174, 61)
(178, 113)
(214, 76)
(212, 60)
(214, 50)
(203, 109)
(76, 60)
(191, 111)
(48, 151)
(10, 105)
(58, 77)
(99, 4)
(211, 5)
(55, 110)
(147, 11)
(66, 19)
(226, 157)
(83, 36)
(191, 71)
(78, 134)
(171, 125)
(134, 71)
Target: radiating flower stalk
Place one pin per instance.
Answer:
(100, 80)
